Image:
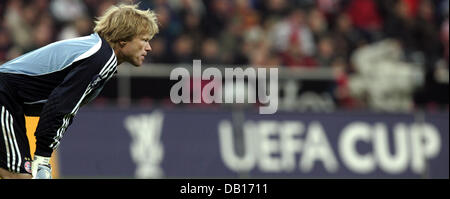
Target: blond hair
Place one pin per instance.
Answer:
(124, 22)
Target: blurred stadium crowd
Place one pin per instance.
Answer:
(386, 50)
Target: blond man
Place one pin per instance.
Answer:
(54, 81)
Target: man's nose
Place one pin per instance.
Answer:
(148, 47)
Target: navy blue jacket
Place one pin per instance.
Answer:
(54, 81)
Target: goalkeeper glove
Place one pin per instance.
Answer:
(40, 168)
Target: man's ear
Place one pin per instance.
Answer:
(122, 43)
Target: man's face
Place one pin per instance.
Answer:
(134, 51)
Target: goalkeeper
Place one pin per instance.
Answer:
(54, 81)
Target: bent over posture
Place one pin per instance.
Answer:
(54, 81)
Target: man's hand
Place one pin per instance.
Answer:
(40, 168)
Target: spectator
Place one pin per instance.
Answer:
(192, 28)
(183, 6)
(5, 44)
(210, 52)
(426, 33)
(318, 24)
(444, 39)
(295, 57)
(245, 15)
(342, 92)
(169, 27)
(233, 47)
(19, 21)
(325, 52)
(43, 32)
(330, 8)
(81, 26)
(346, 38)
(293, 30)
(412, 6)
(183, 50)
(398, 23)
(159, 51)
(67, 10)
(274, 9)
(365, 17)
(216, 19)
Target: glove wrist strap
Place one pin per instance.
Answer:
(42, 160)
